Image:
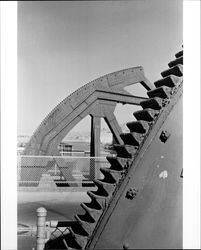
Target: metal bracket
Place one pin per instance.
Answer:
(131, 193)
(164, 136)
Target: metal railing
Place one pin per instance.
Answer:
(58, 171)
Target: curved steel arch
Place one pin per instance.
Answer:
(97, 98)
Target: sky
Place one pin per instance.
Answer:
(64, 45)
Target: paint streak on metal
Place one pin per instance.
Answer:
(163, 174)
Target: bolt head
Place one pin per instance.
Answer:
(131, 193)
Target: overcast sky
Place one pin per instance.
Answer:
(64, 45)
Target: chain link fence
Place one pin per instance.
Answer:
(58, 171)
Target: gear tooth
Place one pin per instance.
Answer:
(116, 175)
(138, 137)
(170, 81)
(70, 242)
(101, 191)
(129, 139)
(176, 70)
(92, 195)
(105, 184)
(118, 163)
(138, 126)
(178, 54)
(101, 200)
(94, 213)
(146, 114)
(133, 139)
(86, 222)
(162, 92)
(125, 162)
(80, 239)
(85, 208)
(178, 60)
(153, 103)
(125, 151)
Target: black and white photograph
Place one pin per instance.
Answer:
(99, 125)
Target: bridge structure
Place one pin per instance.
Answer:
(97, 99)
(137, 203)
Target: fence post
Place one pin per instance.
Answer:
(41, 220)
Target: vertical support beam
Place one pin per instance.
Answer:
(95, 144)
(95, 136)
(114, 127)
(41, 220)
